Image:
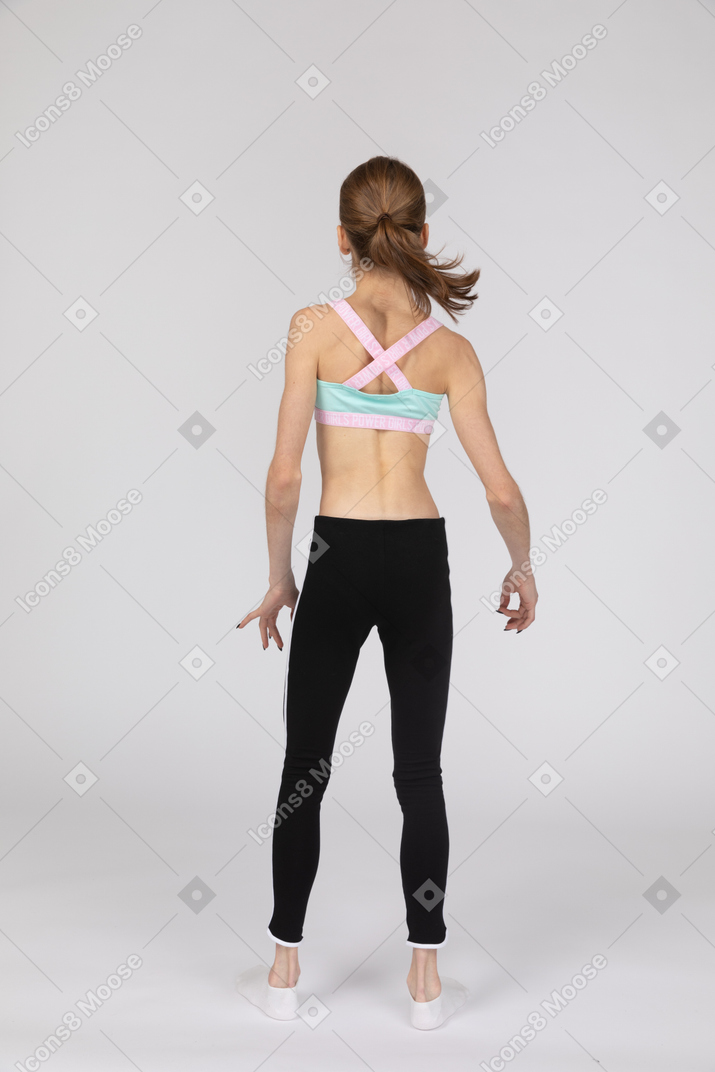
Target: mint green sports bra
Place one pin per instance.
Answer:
(405, 410)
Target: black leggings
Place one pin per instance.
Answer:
(361, 573)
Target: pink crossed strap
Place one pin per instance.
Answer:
(383, 360)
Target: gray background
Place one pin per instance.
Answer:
(614, 859)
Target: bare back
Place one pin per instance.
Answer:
(368, 472)
(377, 473)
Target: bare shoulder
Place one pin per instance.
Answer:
(461, 366)
(319, 312)
(307, 328)
(302, 343)
(459, 346)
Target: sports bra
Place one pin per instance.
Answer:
(404, 410)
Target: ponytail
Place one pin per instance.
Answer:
(383, 208)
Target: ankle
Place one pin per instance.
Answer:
(282, 977)
(285, 969)
(424, 985)
(427, 992)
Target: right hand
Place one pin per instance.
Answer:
(521, 617)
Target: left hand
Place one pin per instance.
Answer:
(283, 594)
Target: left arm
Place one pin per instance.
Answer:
(284, 475)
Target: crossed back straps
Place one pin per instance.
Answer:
(382, 360)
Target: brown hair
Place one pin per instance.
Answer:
(383, 208)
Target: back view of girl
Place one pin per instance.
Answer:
(372, 372)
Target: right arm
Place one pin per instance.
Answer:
(467, 397)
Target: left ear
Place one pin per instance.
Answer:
(343, 245)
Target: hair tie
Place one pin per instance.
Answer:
(385, 216)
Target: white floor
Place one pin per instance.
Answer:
(649, 1008)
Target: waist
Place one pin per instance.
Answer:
(329, 521)
(364, 497)
(358, 541)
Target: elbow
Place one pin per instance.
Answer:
(282, 479)
(504, 494)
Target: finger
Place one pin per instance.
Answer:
(273, 631)
(263, 627)
(516, 612)
(248, 618)
(528, 619)
(517, 619)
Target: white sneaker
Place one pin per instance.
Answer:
(280, 1002)
(425, 1015)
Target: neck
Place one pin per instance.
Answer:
(383, 291)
